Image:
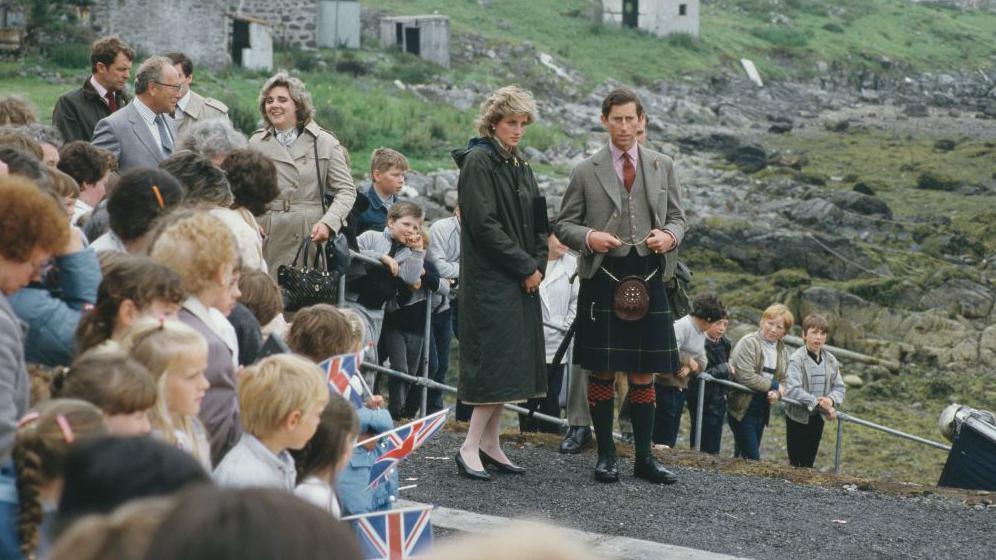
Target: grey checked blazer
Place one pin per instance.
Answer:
(126, 135)
(593, 200)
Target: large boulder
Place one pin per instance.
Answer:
(987, 347)
(750, 158)
(961, 296)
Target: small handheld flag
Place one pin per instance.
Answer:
(343, 375)
(394, 534)
(402, 442)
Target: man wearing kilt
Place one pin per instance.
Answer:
(622, 213)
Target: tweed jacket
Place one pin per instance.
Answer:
(200, 108)
(298, 207)
(77, 112)
(593, 201)
(748, 361)
(127, 136)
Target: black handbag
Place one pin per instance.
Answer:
(302, 285)
(337, 249)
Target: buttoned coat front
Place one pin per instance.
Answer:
(128, 137)
(593, 201)
(298, 207)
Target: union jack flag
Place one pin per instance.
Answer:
(402, 442)
(343, 374)
(394, 535)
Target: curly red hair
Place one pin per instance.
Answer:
(30, 219)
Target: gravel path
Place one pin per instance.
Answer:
(745, 516)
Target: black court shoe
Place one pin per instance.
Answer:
(606, 470)
(468, 472)
(507, 468)
(649, 468)
(578, 437)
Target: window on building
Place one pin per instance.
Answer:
(682, 9)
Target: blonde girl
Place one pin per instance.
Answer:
(176, 355)
(43, 439)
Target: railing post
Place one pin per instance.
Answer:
(425, 354)
(342, 290)
(699, 405)
(840, 445)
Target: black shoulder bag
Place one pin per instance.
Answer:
(303, 285)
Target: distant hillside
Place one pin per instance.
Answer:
(783, 37)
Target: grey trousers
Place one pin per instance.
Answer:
(577, 398)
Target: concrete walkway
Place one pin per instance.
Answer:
(605, 545)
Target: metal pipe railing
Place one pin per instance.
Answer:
(839, 352)
(842, 417)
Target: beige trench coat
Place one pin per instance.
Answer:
(298, 207)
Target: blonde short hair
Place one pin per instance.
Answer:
(276, 386)
(196, 246)
(505, 102)
(779, 311)
(300, 95)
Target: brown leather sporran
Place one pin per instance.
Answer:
(631, 299)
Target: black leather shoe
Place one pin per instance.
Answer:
(605, 470)
(650, 469)
(578, 437)
(468, 472)
(507, 468)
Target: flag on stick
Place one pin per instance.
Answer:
(394, 534)
(344, 377)
(402, 442)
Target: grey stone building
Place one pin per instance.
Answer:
(660, 17)
(424, 36)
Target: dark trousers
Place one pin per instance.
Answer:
(747, 435)
(803, 440)
(549, 405)
(442, 336)
(713, 415)
(667, 418)
(463, 411)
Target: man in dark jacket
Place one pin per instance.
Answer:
(76, 113)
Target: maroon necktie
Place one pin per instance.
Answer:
(111, 102)
(629, 172)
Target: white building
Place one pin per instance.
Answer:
(660, 17)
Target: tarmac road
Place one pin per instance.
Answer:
(753, 517)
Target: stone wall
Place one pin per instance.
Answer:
(293, 22)
(197, 28)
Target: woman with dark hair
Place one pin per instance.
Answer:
(252, 178)
(141, 197)
(91, 167)
(310, 162)
(503, 238)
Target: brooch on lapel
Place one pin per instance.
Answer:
(657, 164)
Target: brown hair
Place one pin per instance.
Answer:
(252, 176)
(621, 96)
(123, 534)
(815, 321)
(130, 277)
(84, 162)
(16, 138)
(111, 380)
(320, 331)
(62, 184)
(105, 49)
(404, 209)
(383, 159)
(29, 219)
(333, 440)
(260, 294)
(40, 447)
(16, 111)
(183, 60)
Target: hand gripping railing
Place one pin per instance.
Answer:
(842, 417)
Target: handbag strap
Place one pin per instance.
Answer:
(318, 175)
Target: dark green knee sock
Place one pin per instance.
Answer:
(601, 402)
(642, 400)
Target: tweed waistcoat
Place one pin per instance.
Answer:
(636, 220)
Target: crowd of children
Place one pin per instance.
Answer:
(163, 359)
